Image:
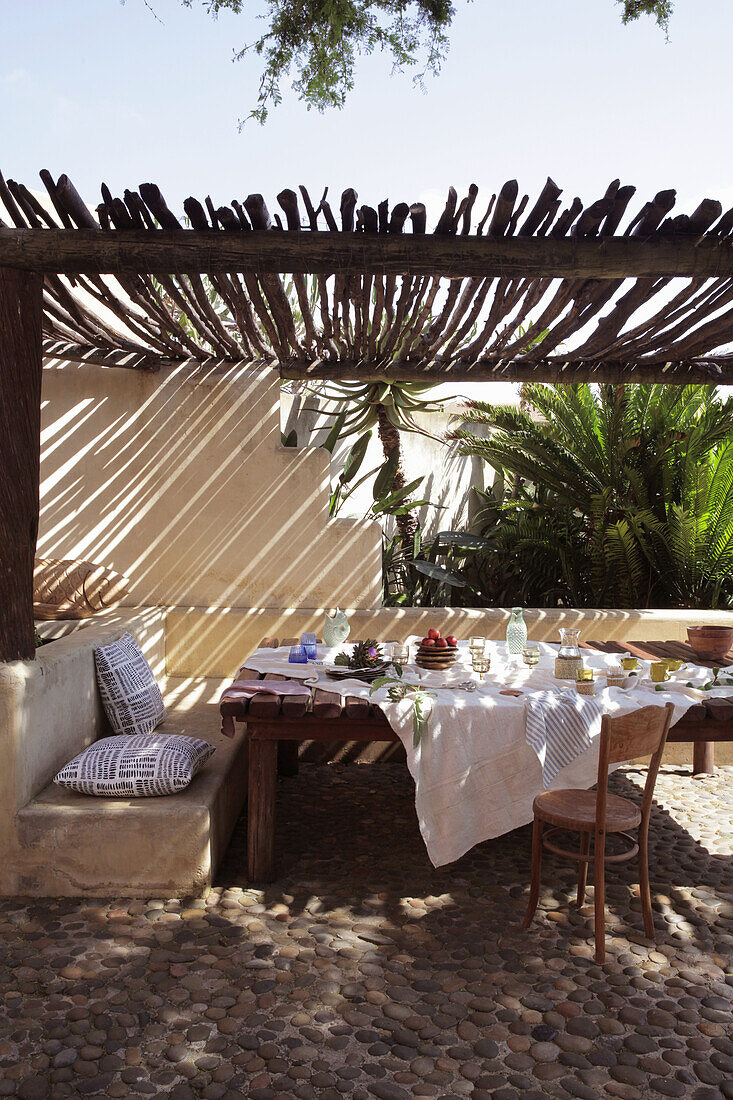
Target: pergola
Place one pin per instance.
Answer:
(547, 293)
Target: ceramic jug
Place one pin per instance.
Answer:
(336, 628)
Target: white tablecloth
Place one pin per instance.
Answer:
(475, 775)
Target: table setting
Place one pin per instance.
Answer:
(487, 725)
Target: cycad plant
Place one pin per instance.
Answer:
(628, 489)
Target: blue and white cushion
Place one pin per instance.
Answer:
(136, 767)
(130, 695)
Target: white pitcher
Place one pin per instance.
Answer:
(336, 628)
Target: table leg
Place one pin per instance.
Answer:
(261, 811)
(287, 757)
(703, 757)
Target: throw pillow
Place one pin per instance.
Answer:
(137, 766)
(130, 695)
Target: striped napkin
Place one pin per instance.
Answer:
(560, 726)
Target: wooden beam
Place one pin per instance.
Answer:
(717, 371)
(21, 303)
(85, 251)
(713, 369)
(142, 360)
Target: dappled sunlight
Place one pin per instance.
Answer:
(178, 480)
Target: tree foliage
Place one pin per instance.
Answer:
(315, 43)
(624, 496)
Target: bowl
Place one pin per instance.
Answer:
(436, 657)
(712, 643)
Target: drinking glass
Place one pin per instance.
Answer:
(477, 645)
(480, 663)
(584, 675)
(297, 655)
(308, 642)
(531, 654)
(400, 654)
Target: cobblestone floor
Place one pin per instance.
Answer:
(362, 972)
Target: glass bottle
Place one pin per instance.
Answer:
(516, 632)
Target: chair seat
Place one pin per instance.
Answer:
(573, 809)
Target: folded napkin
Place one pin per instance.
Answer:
(245, 689)
(559, 727)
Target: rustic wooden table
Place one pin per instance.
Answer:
(277, 724)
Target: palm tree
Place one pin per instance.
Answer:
(634, 481)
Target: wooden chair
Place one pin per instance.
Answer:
(596, 813)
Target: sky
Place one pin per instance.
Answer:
(114, 92)
(106, 91)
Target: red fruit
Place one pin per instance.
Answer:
(441, 643)
(452, 640)
(428, 642)
(433, 633)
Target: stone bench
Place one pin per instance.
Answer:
(58, 842)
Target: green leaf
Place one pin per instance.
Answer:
(355, 457)
(438, 574)
(398, 495)
(462, 540)
(385, 477)
(403, 509)
(333, 436)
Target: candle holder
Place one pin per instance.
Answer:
(585, 681)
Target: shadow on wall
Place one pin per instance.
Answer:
(449, 477)
(179, 481)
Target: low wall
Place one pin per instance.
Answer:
(215, 641)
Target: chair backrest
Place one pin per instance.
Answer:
(641, 733)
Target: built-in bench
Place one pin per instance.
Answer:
(58, 842)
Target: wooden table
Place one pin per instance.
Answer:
(705, 723)
(276, 724)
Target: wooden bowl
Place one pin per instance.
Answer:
(711, 643)
(436, 658)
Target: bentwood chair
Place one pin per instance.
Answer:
(597, 814)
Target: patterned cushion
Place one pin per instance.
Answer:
(129, 692)
(136, 767)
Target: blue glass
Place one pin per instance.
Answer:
(308, 641)
(297, 655)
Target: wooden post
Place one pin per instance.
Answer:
(261, 810)
(703, 758)
(21, 301)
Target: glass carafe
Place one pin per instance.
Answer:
(569, 647)
(516, 632)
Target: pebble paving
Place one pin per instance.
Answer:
(363, 972)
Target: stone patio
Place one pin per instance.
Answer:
(362, 972)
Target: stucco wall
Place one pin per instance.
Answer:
(448, 476)
(178, 480)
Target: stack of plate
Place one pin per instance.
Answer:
(436, 658)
